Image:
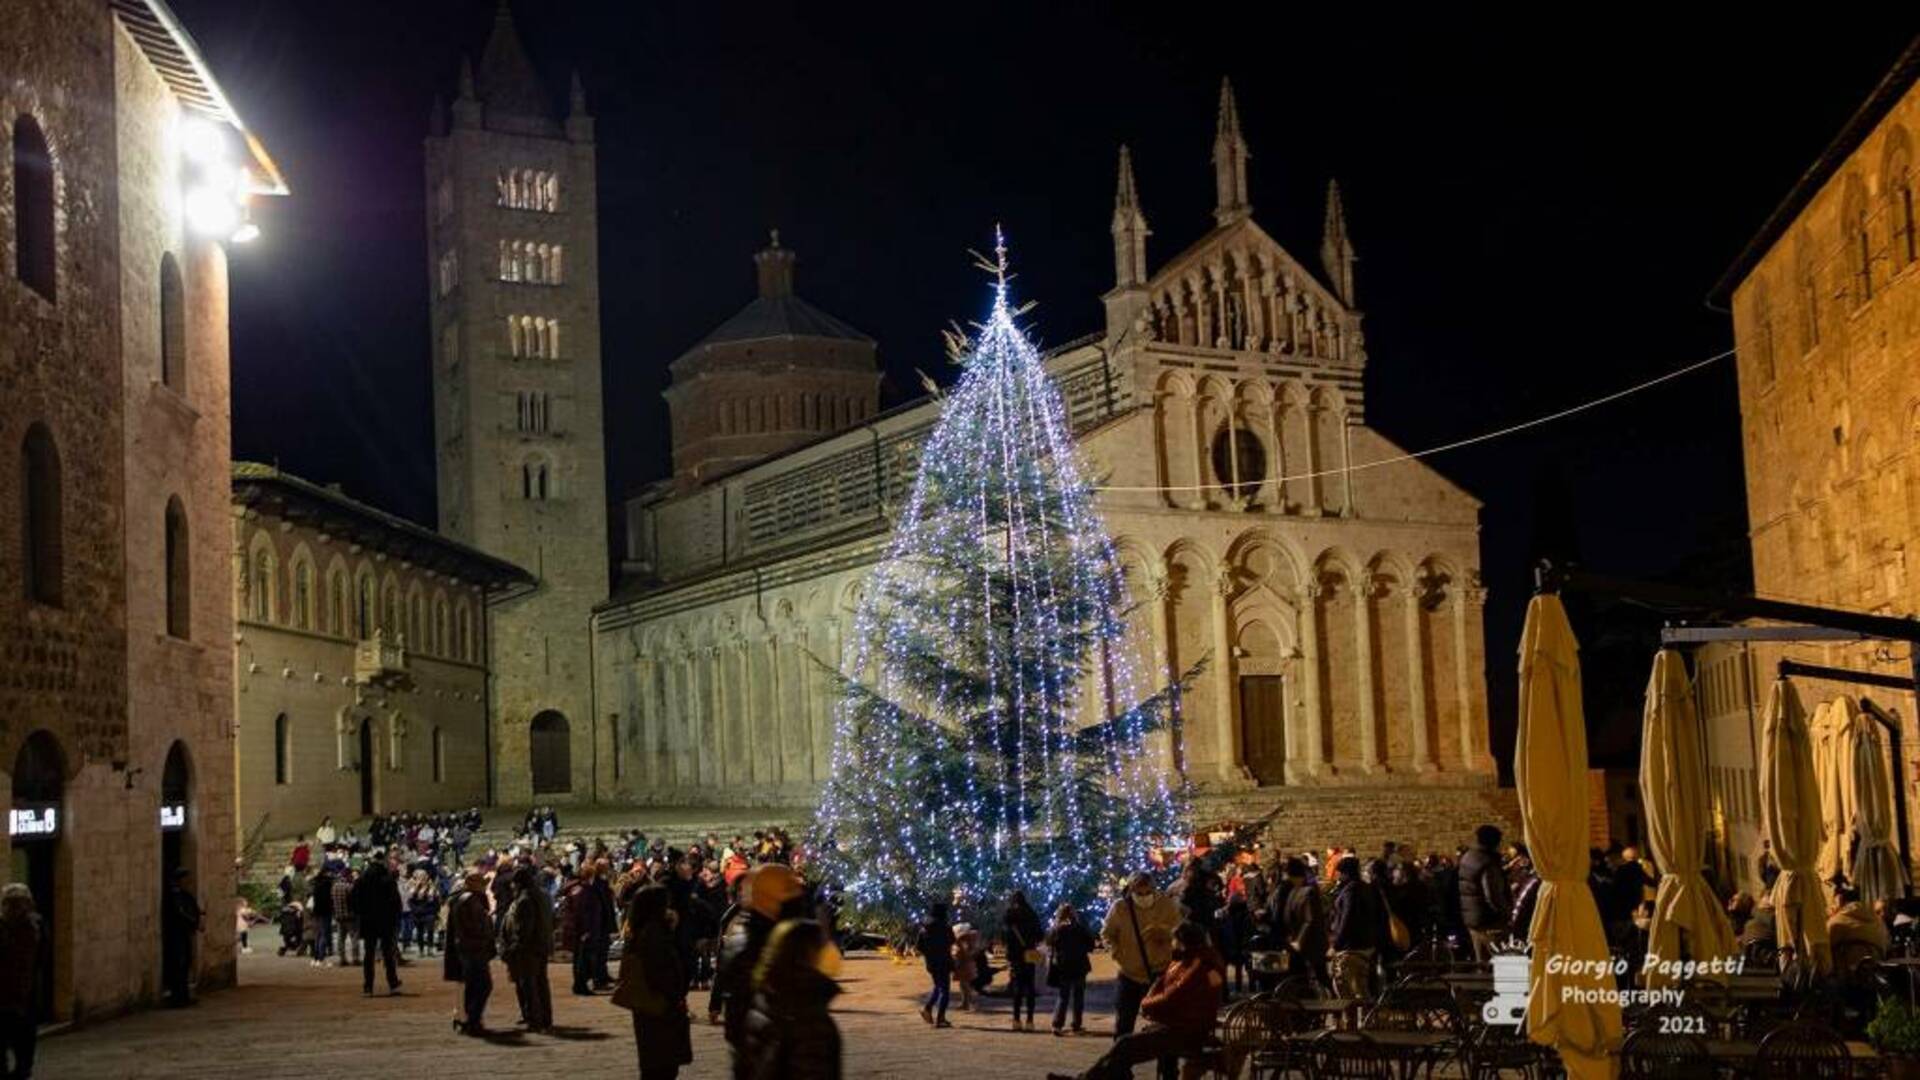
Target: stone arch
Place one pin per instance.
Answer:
(263, 577)
(1261, 653)
(1442, 651)
(39, 770)
(1190, 575)
(392, 614)
(336, 604)
(418, 618)
(1336, 579)
(1395, 656)
(1327, 417)
(442, 623)
(1259, 556)
(1177, 455)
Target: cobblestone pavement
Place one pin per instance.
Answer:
(288, 1019)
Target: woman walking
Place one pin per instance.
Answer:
(790, 1035)
(653, 985)
(1072, 946)
(1021, 934)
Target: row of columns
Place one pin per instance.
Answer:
(1262, 311)
(752, 711)
(1309, 757)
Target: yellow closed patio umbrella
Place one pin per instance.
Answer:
(1826, 730)
(1790, 816)
(1572, 1006)
(1875, 866)
(1688, 922)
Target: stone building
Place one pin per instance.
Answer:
(775, 375)
(1826, 320)
(514, 272)
(127, 170)
(360, 658)
(1339, 604)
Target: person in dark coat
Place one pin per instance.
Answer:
(935, 942)
(1021, 935)
(1485, 903)
(653, 984)
(180, 919)
(470, 945)
(588, 913)
(321, 909)
(375, 901)
(1072, 946)
(1302, 921)
(526, 940)
(790, 1035)
(1235, 927)
(1354, 929)
(22, 965)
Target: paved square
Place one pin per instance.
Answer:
(288, 1019)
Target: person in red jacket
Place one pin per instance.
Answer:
(1180, 1011)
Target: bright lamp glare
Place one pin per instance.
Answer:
(203, 141)
(211, 211)
(246, 234)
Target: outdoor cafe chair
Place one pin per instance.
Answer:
(1347, 1055)
(1803, 1050)
(1411, 1006)
(1499, 1052)
(1648, 1054)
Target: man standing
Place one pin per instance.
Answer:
(22, 956)
(1485, 903)
(180, 919)
(526, 940)
(343, 918)
(375, 901)
(1354, 930)
(1300, 919)
(470, 930)
(322, 911)
(1139, 934)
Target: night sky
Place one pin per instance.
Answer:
(1539, 208)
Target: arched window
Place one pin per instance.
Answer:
(282, 749)
(1239, 462)
(303, 594)
(439, 756)
(390, 610)
(179, 570)
(1897, 184)
(536, 481)
(1859, 239)
(33, 235)
(440, 626)
(416, 621)
(40, 511)
(516, 336)
(173, 325)
(555, 274)
(1762, 331)
(364, 606)
(337, 604)
(1805, 284)
(261, 585)
(463, 634)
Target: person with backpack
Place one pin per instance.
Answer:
(1139, 933)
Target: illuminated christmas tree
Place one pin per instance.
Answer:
(989, 735)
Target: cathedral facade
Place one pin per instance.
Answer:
(1336, 602)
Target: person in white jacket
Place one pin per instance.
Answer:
(1139, 934)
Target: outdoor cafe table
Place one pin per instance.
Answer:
(1411, 1054)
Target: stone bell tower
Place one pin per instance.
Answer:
(513, 270)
